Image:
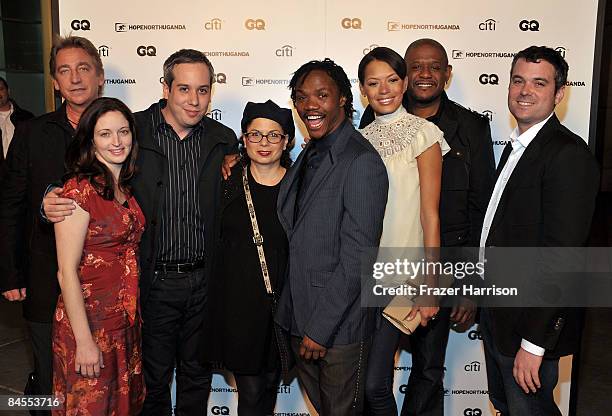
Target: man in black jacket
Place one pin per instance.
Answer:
(467, 180)
(28, 270)
(11, 116)
(544, 196)
(178, 187)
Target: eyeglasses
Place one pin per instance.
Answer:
(273, 137)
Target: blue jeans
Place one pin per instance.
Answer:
(505, 394)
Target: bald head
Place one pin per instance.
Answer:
(427, 42)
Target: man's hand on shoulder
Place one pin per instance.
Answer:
(15, 294)
(56, 209)
(229, 161)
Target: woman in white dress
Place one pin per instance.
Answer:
(412, 149)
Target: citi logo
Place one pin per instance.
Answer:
(220, 410)
(103, 50)
(472, 411)
(473, 366)
(351, 23)
(561, 51)
(215, 114)
(475, 334)
(488, 24)
(80, 25)
(220, 78)
(529, 25)
(146, 51)
(285, 51)
(255, 24)
(369, 48)
(491, 79)
(120, 27)
(214, 24)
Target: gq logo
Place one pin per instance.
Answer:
(472, 412)
(80, 25)
(284, 51)
(473, 366)
(531, 25)
(491, 79)
(220, 78)
(146, 51)
(257, 24)
(475, 334)
(488, 24)
(214, 24)
(220, 410)
(561, 50)
(348, 23)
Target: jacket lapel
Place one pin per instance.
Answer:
(287, 193)
(533, 152)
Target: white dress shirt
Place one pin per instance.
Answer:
(519, 144)
(7, 128)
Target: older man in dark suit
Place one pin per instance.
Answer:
(547, 181)
(331, 205)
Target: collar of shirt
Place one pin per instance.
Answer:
(323, 144)
(523, 140)
(160, 121)
(7, 113)
(436, 117)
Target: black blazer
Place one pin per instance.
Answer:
(548, 201)
(18, 116)
(152, 176)
(27, 247)
(467, 172)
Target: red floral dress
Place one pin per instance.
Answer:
(109, 279)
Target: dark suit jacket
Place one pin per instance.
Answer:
(152, 176)
(342, 213)
(27, 246)
(18, 116)
(467, 172)
(548, 201)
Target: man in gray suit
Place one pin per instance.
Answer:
(331, 204)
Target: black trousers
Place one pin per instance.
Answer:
(257, 393)
(173, 319)
(425, 391)
(40, 335)
(334, 383)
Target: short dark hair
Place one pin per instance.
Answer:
(68, 42)
(428, 42)
(81, 161)
(536, 54)
(383, 54)
(335, 72)
(185, 56)
(2, 80)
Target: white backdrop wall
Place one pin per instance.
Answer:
(256, 45)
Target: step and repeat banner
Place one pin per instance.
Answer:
(256, 45)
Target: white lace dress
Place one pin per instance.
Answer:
(399, 138)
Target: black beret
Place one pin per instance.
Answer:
(271, 111)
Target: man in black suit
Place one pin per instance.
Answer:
(467, 180)
(11, 116)
(28, 270)
(544, 196)
(331, 204)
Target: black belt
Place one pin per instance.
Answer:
(179, 267)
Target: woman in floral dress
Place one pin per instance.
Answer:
(96, 330)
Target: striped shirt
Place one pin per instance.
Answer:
(182, 225)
